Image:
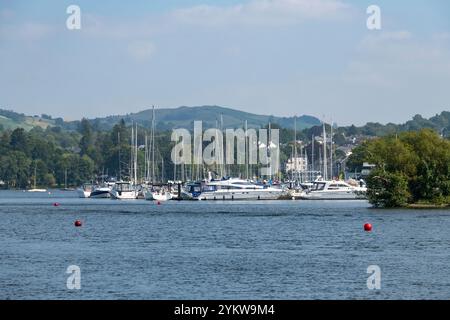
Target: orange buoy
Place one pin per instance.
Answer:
(56, 204)
(368, 227)
(78, 223)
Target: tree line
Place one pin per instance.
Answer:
(60, 157)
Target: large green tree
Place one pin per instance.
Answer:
(411, 167)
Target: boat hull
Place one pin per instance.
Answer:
(100, 194)
(37, 190)
(83, 194)
(263, 194)
(124, 195)
(335, 195)
(161, 197)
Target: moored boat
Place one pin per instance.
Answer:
(333, 190)
(103, 191)
(85, 190)
(124, 190)
(232, 189)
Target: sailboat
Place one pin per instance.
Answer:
(34, 185)
(155, 192)
(65, 183)
(325, 188)
(127, 190)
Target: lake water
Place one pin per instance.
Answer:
(218, 250)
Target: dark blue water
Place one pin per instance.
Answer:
(218, 250)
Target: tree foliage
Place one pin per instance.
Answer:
(411, 167)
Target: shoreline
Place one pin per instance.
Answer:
(427, 206)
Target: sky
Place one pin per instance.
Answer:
(274, 57)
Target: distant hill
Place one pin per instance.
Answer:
(439, 122)
(184, 117)
(12, 120)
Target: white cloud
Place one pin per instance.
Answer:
(398, 72)
(103, 27)
(266, 12)
(29, 31)
(377, 40)
(141, 50)
(402, 48)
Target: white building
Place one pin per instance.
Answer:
(297, 165)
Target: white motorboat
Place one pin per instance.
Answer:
(103, 191)
(232, 189)
(296, 193)
(334, 190)
(124, 191)
(161, 195)
(158, 194)
(85, 190)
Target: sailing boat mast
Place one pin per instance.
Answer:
(135, 154)
(312, 154)
(268, 148)
(246, 151)
(146, 158)
(295, 148)
(118, 142)
(331, 150)
(65, 179)
(131, 152)
(153, 143)
(162, 169)
(223, 168)
(325, 169)
(34, 175)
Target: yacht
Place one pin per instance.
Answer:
(34, 189)
(334, 190)
(232, 189)
(124, 190)
(103, 191)
(157, 193)
(85, 190)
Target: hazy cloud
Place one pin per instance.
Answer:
(263, 12)
(141, 50)
(28, 31)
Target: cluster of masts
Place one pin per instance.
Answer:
(221, 186)
(197, 172)
(310, 172)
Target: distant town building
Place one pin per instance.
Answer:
(297, 165)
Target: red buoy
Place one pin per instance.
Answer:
(56, 204)
(368, 227)
(158, 203)
(78, 223)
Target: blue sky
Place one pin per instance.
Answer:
(281, 57)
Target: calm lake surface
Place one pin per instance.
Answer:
(218, 250)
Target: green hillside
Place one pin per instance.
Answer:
(11, 120)
(184, 117)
